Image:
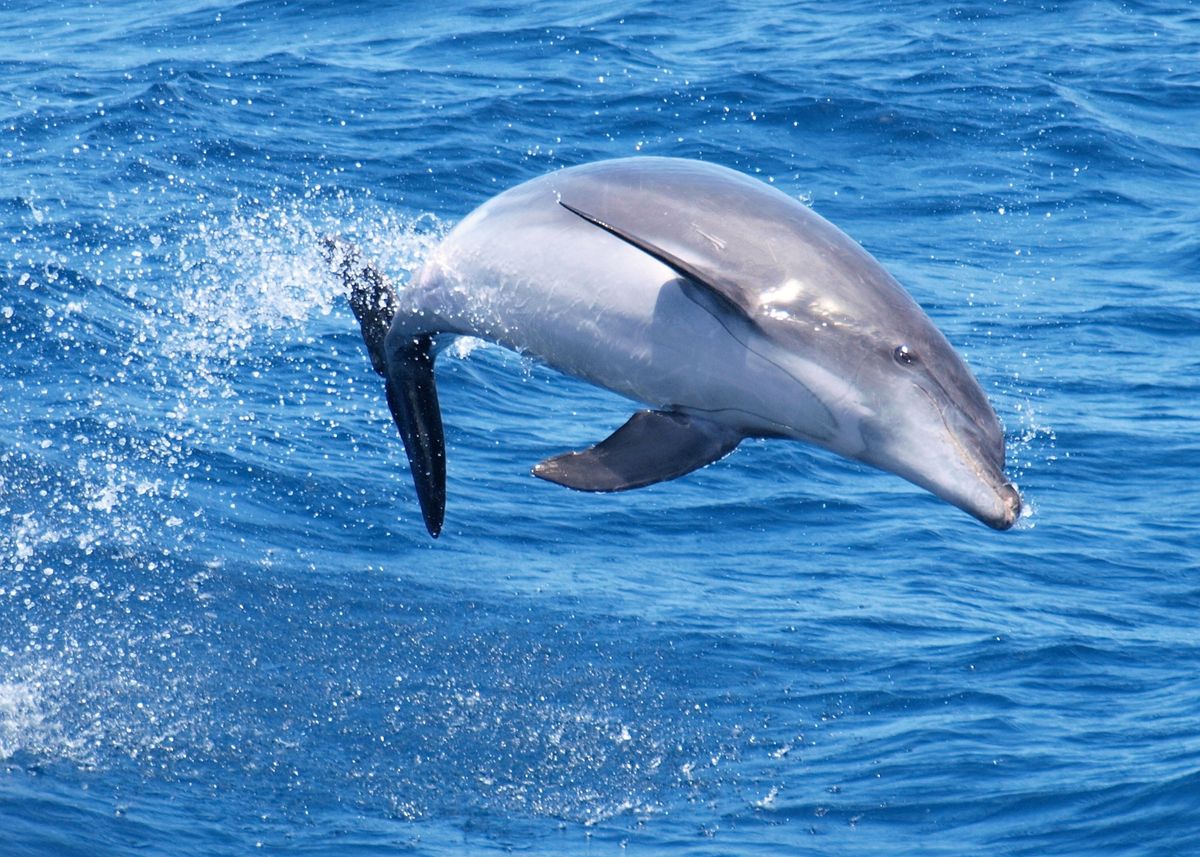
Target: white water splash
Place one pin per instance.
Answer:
(29, 721)
(21, 718)
(96, 527)
(1033, 449)
(258, 273)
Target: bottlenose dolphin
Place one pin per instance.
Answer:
(726, 306)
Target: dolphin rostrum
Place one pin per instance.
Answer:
(727, 307)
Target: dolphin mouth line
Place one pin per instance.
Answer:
(972, 462)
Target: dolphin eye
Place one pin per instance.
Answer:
(904, 355)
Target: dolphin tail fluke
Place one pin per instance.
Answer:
(370, 294)
(412, 397)
(653, 446)
(408, 370)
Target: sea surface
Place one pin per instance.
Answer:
(223, 628)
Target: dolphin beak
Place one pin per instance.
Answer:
(1009, 508)
(975, 433)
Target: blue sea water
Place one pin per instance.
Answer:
(223, 628)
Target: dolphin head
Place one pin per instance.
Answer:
(898, 395)
(833, 350)
(925, 418)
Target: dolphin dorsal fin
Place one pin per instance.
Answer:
(727, 295)
(652, 446)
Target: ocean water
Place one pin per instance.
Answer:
(223, 628)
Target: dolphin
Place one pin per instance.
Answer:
(726, 307)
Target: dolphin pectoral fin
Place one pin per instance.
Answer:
(729, 296)
(653, 446)
(412, 397)
(370, 295)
